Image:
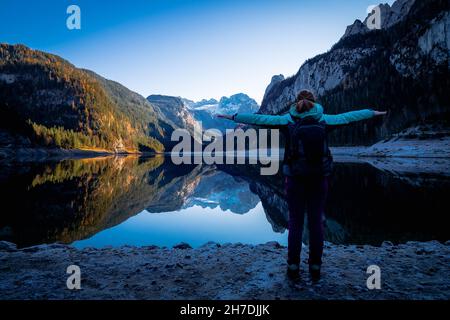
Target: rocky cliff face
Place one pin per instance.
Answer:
(402, 68)
(275, 81)
(174, 110)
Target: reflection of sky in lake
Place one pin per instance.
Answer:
(194, 225)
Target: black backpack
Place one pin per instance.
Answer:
(307, 152)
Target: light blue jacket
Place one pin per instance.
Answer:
(316, 112)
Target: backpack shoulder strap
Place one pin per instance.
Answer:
(327, 130)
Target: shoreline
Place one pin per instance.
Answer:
(400, 148)
(415, 270)
(47, 154)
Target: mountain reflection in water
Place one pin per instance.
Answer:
(143, 201)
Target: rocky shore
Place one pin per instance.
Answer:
(415, 270)
(401, 148)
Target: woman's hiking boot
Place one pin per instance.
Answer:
(293, 271)
(314, 271)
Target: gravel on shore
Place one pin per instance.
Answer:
(415, 270)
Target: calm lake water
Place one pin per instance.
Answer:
(118, 201)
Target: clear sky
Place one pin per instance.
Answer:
(194, 49)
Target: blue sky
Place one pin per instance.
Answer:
(194, 49)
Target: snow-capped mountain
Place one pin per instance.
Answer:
(227, 105)
(238, 103)
(187, 113)
(206, 105)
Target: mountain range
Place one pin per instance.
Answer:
(45, 101)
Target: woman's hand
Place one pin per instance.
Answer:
(379, 113)
(224, 116)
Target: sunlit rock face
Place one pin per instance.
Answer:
(402, 68)
(175, 111)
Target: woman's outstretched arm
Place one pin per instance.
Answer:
(258, 119)
(353, 116)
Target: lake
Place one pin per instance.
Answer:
(115, 201)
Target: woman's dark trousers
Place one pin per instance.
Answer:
(306, 194)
